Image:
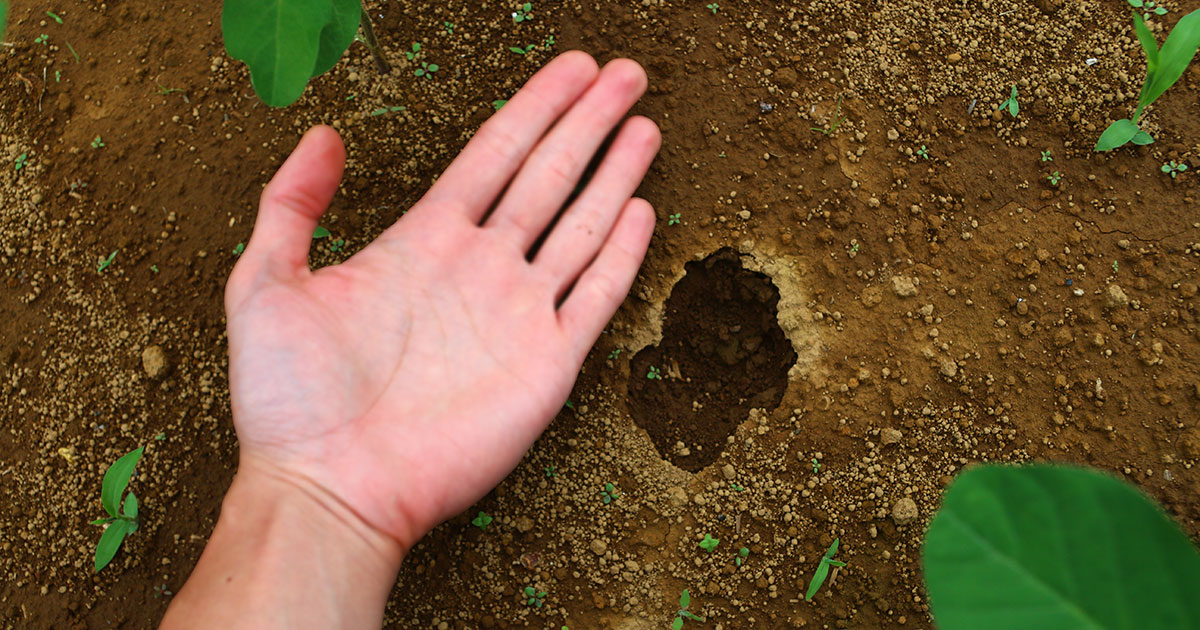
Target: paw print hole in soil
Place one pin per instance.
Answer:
(722, 354)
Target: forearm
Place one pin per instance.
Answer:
(284, 555)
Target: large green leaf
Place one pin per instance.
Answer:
(279, 40)
(110, 541)
(1118, 134)
(116, 480)
(3, 16)
(338, 34)
(1174, 56)
(1149, 44)
(1057, 548)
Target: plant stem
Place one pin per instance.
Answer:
(368, 28)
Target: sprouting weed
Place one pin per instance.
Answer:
(238, 249)
(517, 50)
(1011, 104)
(482, 521)
(413, 52)
(654, 374)
(743, 553)
(21, 161)
(736, 487)
(551, 471)
(685, 600)
(104, 264)
(674, 219)
(1054, 178)
(426, 70)
(449, 26)
(1149, 7)
(923, 152)
(41, 39)
(818, 579)
(614, 354)
(1174, 168)
(523, 14)
(534, 597)
(1047, 156)
(498, 103)
(816, 466)
(97, 143)
(609, 494)
(709, 543)
(712, 7)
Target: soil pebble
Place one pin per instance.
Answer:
(154, 361)
(904, 286)
(905, 511)
(1116, 296)
(598, 546)
(890, 436)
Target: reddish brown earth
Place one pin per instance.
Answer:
(939, 311)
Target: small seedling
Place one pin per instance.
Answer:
(674, 219)
(823, 570)
(106, 262)
(838, 119)
(709, 543)
(1164, 66)
(1047, 156)
(161, 436)
(72, 49)
(426, 70)
(449, 26)
(166, 91)
(161, 591)
(523, 14)
(549, 43)
(736, 487)
(337, 245)
(654, 373)
(321, 232)
(816, 466)
(122, 508)
(1173, 168)
(534, 597)
(412, 54)
(609, 494)
(482, 521)
(522, 51)
(154, 268)
(854, 248)
(712, 7)
(388, 110)
(923, 152)
(569, 405)
(551, 471)
(1115, 266)
(21, 161)
(58, 76)
(97, 143)
(743, 553)
(685, 600)
(614, 354)
(498, 103)
(238, 249)
(41, 39)
(1012, 105)
(1150, 6)
(1054, 178)
(54, 17)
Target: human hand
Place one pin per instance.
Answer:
(406, 382)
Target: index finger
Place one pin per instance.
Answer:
(481, 172)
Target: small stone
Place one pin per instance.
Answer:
(524, 524)
(948, 368)
(890, 436)
(954, 58)
(728, 471)
(598, 546)
(904, 286)
(1116, 296)
(677, 496)
(904, 511)
(154, 361)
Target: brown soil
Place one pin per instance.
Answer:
(942, 311)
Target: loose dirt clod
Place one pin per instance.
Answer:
(154, 361)
(904, 511)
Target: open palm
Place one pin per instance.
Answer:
(409, 380)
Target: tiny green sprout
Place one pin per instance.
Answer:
(41, 39)
(1054, 178)
(534, 597)
(337, 245)
(1047, 156)
(1115, 266)
(412, 54)
(551, 471)
(21, 161)
(923, 152)
(98, 143)
(549, 43)
(569, 405)
(855, 247)
(522, 51)
(238, 249)
(816, 466)
(609, 494)
(449, 26)
(104, 264)
(818, 579)
(1150, 6)
(1011, 104)
(321, 232)
(160, 590)
(654, 373)
(388, 110)
(154, 268)
(426, 70)
(712, 7)
(674, 219)
(122, 508)
(58, 76)
(736, 487)
(685, 600)
(54, 17)
(523, 14)
(614, 354)
(72, 49)
(482, 521)
(837, 120)
(743, 553)
(161, 436)
(1173, 168)
(709, 543)
(498, 103)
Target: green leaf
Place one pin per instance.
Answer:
(1136, 3)
(1118, 134)
(519, 51)
(685, 599)
(321, 232)
(1142, 138)
(338, 34)
(279, 40)
(1173, 58)
(110, 541)
(103, 521)
(1149, 44)
(116, 479)
(677, 624)
(690, 615)
(131, 506)
(3, 16)
(1048, 547)
(818, 579)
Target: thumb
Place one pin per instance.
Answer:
(294, 201)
